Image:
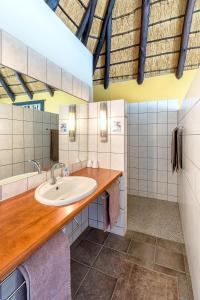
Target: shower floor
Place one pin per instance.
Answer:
(155, 217)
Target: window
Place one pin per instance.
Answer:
(37, 105)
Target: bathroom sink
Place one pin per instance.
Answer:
(67, 190)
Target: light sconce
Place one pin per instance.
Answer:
(72, 122)
(103, 120)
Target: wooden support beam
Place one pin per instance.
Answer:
(84, 22)
(53, 4)
(7, 88)
(50, 90)
(143, 39)
(185, 37)
(24, 85)
(103, 33)
(108, 47)
(89, 24)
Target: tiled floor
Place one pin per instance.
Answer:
(155, 217)
(136, 267)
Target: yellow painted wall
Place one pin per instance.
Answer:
(153, 88)
(52, 104)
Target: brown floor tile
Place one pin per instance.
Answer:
(85, 252)
(142, 237)
(189, 285)
(129, 234)
(171, 246)
(170, 259)
(123, 290)
(146, 284)
(172, 289)
(112, 262)
(80, 238)
(96, 286)
(117, 242)
(142, 251)
(96, 235)
(184, 288)
(78, 272)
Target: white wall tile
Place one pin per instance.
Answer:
(67, 85)
(5, 157)
(14, 53)
(133, 108)
(37, 67)
(143, 107)
(117, 162)
(92, 126)
(53, 75)
(6, 142)
(35, 181)
(6, 126)
(104, 146)
(93, 110)
(152, 118)
(162, 117)
(117, 108)
(104, 160)
(152, 157)
(14, 189)
(117, 143)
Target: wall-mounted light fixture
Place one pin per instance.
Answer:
(72, 122)
(103, 120)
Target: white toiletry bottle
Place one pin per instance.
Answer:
(66, 171)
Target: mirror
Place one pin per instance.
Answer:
(30, 127)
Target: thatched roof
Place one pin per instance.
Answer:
(165, 29)
(13, 83)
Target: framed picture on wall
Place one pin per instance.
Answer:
(37, 105)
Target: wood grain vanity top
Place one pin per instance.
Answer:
(25, 224)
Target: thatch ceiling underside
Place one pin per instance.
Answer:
(164, 35)
(13, 83)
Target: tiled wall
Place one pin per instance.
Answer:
(18, 56)
(73, 151)
(110, 155)
(24, 135)
(189, 181)
(149, 139)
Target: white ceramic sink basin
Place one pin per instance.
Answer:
(67, 190)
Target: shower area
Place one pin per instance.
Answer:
(152, 187)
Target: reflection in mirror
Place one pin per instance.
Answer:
(29, 126)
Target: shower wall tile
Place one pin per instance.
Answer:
(189, 178)
(149, 140)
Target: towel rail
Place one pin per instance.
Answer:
(13, 287)
(16, 291)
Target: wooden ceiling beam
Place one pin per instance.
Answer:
(50, 90)
(101, 40)
(185, 37)
(24, 85)
(89, 23)
(84, 21)
(108, 47)
(53, 4)
(143, 39)
(7, 88)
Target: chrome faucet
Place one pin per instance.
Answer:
(53, 168)
(37, 164)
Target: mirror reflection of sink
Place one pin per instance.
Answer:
(67, 190)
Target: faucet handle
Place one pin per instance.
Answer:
(37, 164)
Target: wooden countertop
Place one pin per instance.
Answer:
(25, 224)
